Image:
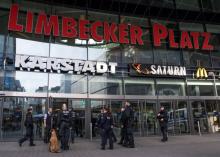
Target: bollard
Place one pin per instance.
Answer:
(90, 126)
(200, 134)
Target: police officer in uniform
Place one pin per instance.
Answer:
(72, 124)
(48, 120)
(64, 129)
(29, 125)
(123, 129)
(163, 120)
(106, 125)
(128, 123)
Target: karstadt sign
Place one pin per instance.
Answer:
(58, 65)
(124, 33)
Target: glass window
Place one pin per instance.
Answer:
(161, 3)
(102, 51)
(216, 5)
(194, 58)
(206, 5)
(67, 83)
(138, 86)
(1, 80)
(215, 41)
(187, 4)
(167, 57)
(200, 88)
(30, 47)
(191, 27)
(26, 81)
(164, 54)
(171, 87)
(71, 52)
(105, 85)
(218, 87)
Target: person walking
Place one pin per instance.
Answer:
(106, 125)
(163, 121)
(72, 124)
(29, 125)
(48, 121)
(128, 124)
(64, 127)
(123, 129)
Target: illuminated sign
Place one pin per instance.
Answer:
(157, 70)
(201, 73)
(55, 65)
(123, 33)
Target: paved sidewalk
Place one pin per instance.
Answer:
(177, 146)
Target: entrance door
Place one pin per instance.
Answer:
(148, 118)
(178, 117)
(200, 116)
(1, 116)
(78, 106)
(11, 117)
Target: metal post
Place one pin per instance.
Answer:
(200, 134)
(90, 131)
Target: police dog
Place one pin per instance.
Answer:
(53, 145)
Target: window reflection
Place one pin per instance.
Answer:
(171, 87)
(105, 85)
(201, 88)
(187, 4)
(64, 83)
(71, 52)
(139, 87)
(215, 41)
(30, 47)
(26, 82)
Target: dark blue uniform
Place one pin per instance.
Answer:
(163, 120)
(64, 129)
(128, 116)
(106, 124)
(47, 132)
(73, 124)
(123, 128)
(29, 125)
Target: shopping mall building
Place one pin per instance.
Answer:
(94, 53)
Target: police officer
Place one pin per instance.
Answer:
(106, 125)
(100, 117)
(128, 123)
(123, 130)
(163, 120)
(72, 124)
(29, 125)
(48, 120)
(64, 129)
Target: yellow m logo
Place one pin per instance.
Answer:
(201, 73)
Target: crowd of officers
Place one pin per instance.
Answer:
(64, 124)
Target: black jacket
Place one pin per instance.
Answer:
(162, 118)
(29, 122)
(64, 117)
(128, 117)
(106, 122)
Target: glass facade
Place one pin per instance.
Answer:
(185, 98)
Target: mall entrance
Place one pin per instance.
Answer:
(145, 122)
(185, 117)
(178, 116)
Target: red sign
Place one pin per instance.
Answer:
(117, 33)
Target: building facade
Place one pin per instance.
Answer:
(91, 53)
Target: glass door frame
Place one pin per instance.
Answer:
(174, 106)
(1, 116)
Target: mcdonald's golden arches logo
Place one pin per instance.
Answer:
(201, 73)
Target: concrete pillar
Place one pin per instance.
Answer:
(87, 117)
